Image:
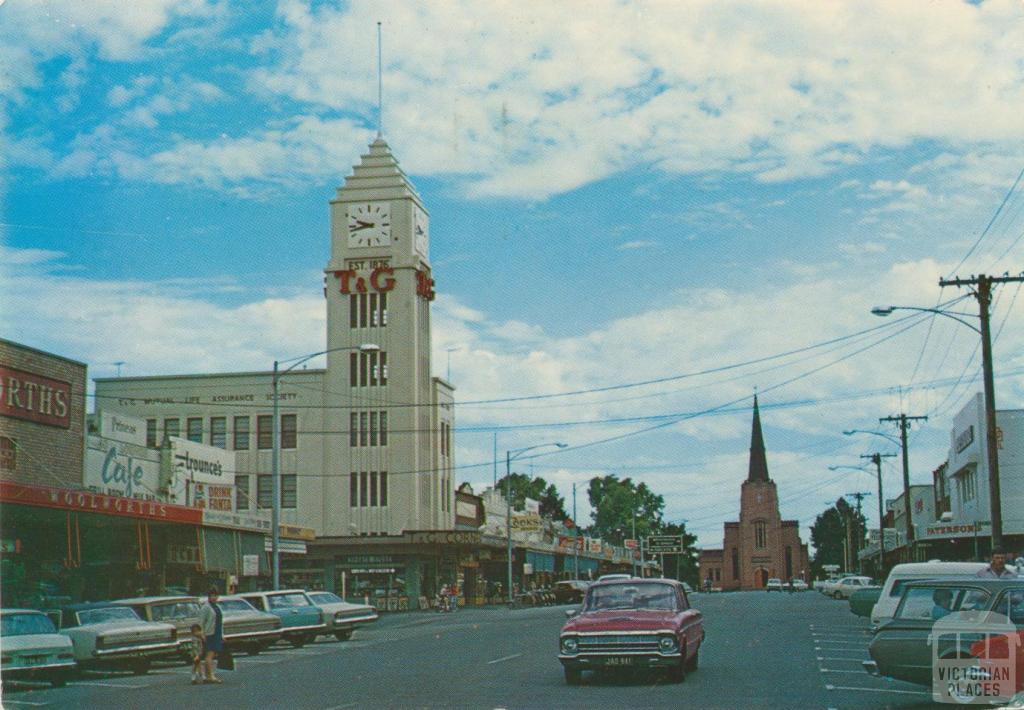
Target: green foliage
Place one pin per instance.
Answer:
(552, 505)
(829, 537)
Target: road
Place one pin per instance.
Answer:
(763, 650)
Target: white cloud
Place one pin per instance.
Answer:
(638, 244)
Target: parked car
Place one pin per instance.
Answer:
(109, 635)
(632, 624)
(570, 591)
(32, 648)
(341, 616)
(848, 585)
(994, 655)
(799, 585)
(616, 575)
(905, 646)
(301, 620)
(863, 600)
(182, 611)
(773, 585)
(892, 589)
(246, 628)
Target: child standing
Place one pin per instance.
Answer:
(198, 653)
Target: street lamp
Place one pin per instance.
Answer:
(983, 294)
(510, 456)
(877, 458)
(275, 473)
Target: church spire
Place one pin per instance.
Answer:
(758, 461)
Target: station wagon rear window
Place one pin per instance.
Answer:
(235, 605)
(25, 624)
(174, 610)
(325, 598)
(100, 616)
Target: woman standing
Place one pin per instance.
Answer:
(212, 620)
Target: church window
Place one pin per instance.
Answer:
(760, 534)
(789, 562)
(735, 563)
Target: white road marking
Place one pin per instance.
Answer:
(842, 658)
(25, 702)
(832, 670)
(342, 707)
(504, 658)
(108, 685)
(877, 690)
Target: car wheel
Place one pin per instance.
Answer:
(573, 676)
(60, 679)
(677, 674)
(837, 595)
(297, 641)
(343, 635)
(694, 661)
(141, 667)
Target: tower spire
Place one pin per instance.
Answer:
(758, 461)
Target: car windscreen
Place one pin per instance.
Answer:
(174, 610)
(283, 601)
(110, 613)
(235, 605)
(24, 624)
(936, 602)
(325, 598)
(631, 595)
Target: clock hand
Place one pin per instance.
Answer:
(362, 226)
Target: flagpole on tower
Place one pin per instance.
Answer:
(380, 86)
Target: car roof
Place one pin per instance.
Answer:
(635, 580)
(21, 611)
(85, 606)
(961, 580)
(269, 592)
(152, 600)
(937, 566)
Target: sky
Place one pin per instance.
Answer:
(705, 197)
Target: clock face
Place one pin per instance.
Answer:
(421, 231)
(369, 224)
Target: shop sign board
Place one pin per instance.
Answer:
(26, 395)
(293, 547)
(631, 544)
(664, 544)
(201, 463)
(526, 523)
(183, 554)
(250, 565)
(121, 469)
(955, 530)
(214, 497)
(374, 570)
(364, 560)
(121, 427)
(87, 502)
(297, 532)
(245, 521)
(444, 537)
(594, 546)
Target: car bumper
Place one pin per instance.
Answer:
(270, 635)
(302, 630)
(349, 622)
(594, 661)
(871, 667)
(49, 669)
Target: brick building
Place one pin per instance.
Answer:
(760, 545)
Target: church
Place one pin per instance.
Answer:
(761, 545)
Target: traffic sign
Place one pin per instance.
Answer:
(664, 544)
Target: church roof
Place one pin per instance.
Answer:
(378, 177)
(758, 461)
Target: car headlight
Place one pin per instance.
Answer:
(570, 644)
(667, 644)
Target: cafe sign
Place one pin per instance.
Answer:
(121, 469)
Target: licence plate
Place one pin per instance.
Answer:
(619, 661)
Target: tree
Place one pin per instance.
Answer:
(829, 537)
(552, 505)
(614, 503)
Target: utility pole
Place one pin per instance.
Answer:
(982, 286)
(576, 532)
(858, 496)
(876, 458)
(904, 424)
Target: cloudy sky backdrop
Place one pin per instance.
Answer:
(620, 192)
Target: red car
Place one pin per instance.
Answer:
(632, 624)
(994, 657)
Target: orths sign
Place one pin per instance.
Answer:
(39, 399)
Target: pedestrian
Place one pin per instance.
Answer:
(212, 620)
(198, 652)
(453, 598)
(442, 598)
(997, 568)
(1019, 562)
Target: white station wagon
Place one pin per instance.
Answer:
(32, 649)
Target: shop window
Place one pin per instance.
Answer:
(264, 491)
(151, 433)
(195, 429)
(264, 431)
(172, 427)
(353, 490)
(242, 492)
(289, 490)
(219, 432)
(289, 431)
(241, 433)
(8, 454)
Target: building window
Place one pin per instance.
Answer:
(373, 428)
(151, 433)
(353, 312)
(219, 432)
(172, 427)
(353, 429)
(242, 492)
(368, 429)
(289, 431)
(383, 428)
(363, 429)
(264, 431)
(241, 433)
(8, 454)
(368, 369)
(289, 490)
(353, 490)
(735, 563)
(968, 483)
(760, 535)
(368, 489)
(264, 491)
(383, 488)
(363, 489)
(373, 489)
(195, 429)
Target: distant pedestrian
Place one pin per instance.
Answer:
(212, 620)
(198, 653)
(997, 568)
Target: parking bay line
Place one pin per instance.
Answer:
(842, 658)
(833, 670)
(505, 658)
(876, 690)
(107, 685)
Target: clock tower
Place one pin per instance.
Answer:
(388, 423)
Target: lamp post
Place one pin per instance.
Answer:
(877, 459)
(275, 472)
(510, 456)
(984, 296)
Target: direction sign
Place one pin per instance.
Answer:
(664, 544)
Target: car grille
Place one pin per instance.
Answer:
(354, 614)
(638, 643)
